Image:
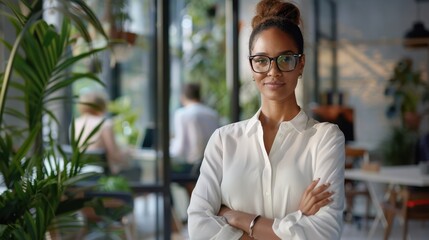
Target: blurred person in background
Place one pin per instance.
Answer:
(194, 123)
(93, 111)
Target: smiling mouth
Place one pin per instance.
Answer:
(274, 84)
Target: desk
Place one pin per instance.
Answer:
(409, 175)
(149, 161)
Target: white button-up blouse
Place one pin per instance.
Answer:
(238, 173)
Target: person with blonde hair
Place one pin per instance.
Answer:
(279, 174)
(93, 107)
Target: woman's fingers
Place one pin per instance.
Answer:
(321, 188)
(317, 206)
(312, 185)
(313, 208)
(322, 199)
(310, 188)
(315, 198)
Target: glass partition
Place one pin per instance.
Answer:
(130, 72)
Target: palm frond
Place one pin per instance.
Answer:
(41, 57)
(10, 64)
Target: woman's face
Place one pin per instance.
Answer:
(276, 85)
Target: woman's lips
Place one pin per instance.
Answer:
(274, 85)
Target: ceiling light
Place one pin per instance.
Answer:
(418, 36)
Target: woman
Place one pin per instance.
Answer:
(93, 107)
(280, 174)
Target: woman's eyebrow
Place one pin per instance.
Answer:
(280, 53)
(287, 52)
(260, 53)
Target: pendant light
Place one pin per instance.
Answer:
(418, 36)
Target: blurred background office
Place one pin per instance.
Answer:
(355, 57)
(352, 52)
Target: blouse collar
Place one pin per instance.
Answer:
(299, 122)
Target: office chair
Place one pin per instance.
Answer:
(189, 178)
(408, 204)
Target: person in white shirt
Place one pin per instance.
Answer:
(279, 174)
(93, 107)
(194, 123)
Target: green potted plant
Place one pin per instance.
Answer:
(408, 91)
(36, 172)
(116, 13)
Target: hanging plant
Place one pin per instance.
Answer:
(116, 14)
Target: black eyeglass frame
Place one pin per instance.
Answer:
(296, 56)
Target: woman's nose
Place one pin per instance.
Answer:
(274, 70)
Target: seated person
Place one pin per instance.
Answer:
(92, 107)
(194, 123)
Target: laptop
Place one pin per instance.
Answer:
(149, 138)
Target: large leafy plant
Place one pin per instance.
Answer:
(35, 170)
(408, 92)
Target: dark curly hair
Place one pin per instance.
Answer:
(277, 14)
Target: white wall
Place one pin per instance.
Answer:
(370, 43)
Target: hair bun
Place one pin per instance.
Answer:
(267, 9)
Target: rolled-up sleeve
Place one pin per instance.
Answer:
(327, 223)
(203, 222)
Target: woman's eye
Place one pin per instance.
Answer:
(260, 60)
(286, 59)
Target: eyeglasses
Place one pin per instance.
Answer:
(285, 62)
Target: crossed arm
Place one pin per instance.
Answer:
(312, 200)
(318, 212)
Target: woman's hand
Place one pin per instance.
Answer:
(315, 198)
(242, 220)
(230, 216)
(223, 210)
(246, 237)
